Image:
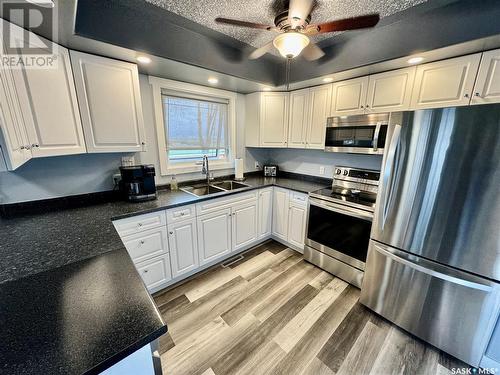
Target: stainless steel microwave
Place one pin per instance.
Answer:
(360, 134)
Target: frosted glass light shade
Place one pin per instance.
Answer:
(291, 44)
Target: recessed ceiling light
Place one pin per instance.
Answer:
(213, 80)
(328, 79)
(266, 89)
(415, 60)
(143, 59)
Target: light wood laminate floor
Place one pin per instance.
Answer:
(274, 313)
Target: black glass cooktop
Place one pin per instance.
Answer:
(363, 198)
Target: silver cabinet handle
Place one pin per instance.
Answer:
(171, 233)
(141, 242)
(362, 107)
(35, 145)
(466, 95)
(145, 271)
(139, 224)
(477, 94)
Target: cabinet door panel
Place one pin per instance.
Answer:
(110, 103)
(147, 244)
(280, 213)
(182, 239)
(57, 127)
(265, 212)
(16, 146)
(320, 99)
(445, 83)
(214, 235)
(274, 119)
(390, 91)
(155, 272)
(299, 112)
(244, 225)
(297, 225)
(487, 87)
(349, 97)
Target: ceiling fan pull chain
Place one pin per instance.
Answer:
(287, 73)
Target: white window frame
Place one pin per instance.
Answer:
(159, 85)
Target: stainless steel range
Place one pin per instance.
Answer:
(339, 223)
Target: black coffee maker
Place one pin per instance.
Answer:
(138, 183)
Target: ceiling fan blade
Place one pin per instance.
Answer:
(299, 10)
(261, 51)
(312, 52)
(251, 25)
(346, 24)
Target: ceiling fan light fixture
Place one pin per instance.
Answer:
(291, 44)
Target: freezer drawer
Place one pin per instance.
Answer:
(452, 310)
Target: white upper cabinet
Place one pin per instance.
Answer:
(16, 146)
(445, 83)
(266, 122)
(298, 120)
(487, 87)
(110, 103)
(319, 106)
(349, 97)
(390, 91)
(50, 98)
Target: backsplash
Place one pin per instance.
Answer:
(309, 161)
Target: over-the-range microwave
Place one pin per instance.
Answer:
(360, 134)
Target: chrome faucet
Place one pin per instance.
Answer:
(205, 169)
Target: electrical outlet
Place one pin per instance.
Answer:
(257, 165)
(322, 170)
(116, 178)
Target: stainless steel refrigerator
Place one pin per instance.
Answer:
(433, 265)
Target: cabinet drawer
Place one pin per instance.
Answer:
(140, 223)
(452, 310)
(155, 272)
(298, 198)
(146, 244)
(226, 202)
(175, 215)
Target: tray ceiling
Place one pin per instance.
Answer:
(263, 11)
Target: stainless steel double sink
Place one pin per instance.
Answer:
(213, 188)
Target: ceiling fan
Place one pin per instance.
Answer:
(294, 27)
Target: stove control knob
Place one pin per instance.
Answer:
(346, 172)
(338, 171)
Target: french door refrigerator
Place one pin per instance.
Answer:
(433, 265)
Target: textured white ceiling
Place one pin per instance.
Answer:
(205, 11)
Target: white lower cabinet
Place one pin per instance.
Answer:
(244, 225)
(155, 272)
(289, 217)
(214, 235)
(297, 225)
(146, 244)
(183, 244)
(280, 213)
(265, 213)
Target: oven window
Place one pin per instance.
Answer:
(354, 136)
(343, 233)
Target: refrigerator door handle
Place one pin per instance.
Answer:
(388, 172)
(428, 268)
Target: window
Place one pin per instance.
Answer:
(195, 127)
(192, 121)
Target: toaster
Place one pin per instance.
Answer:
(270, 170)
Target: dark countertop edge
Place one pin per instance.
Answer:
(205, 198)
(104, 365)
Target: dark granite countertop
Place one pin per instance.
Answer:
(79, 318)
(71, 298)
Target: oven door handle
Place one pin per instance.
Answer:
(345, 210)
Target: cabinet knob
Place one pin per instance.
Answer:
(466, 95)
(22, 147)
(477, 94)
(27, 147)
(35, 145)
(145, 271)
(362, 107)
(367, 106)
(139, 224)
(143, 143)
(171, 233)
(141, 242)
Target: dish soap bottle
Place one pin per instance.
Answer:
(173, 184)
